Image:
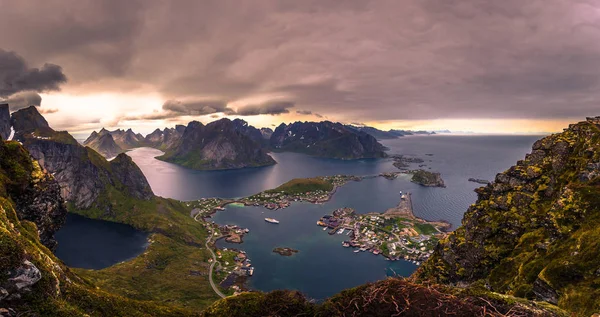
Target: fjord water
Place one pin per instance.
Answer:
(96, 244)
(322, 267)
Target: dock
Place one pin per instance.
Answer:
(403, 209)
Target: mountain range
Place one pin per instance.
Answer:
(230, 144)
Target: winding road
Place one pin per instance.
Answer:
(212, 265)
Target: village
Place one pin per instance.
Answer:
(396, 234)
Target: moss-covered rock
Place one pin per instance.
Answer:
(535, 231)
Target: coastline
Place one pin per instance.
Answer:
(275, 199)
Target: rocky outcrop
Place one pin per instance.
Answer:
(534, 231)
(103, 143)
(427, 179)
(4, 122)
(83, 174)
(222, 144)
(326, 139)
(20, 281)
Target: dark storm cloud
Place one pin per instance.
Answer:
(174, 109)
(364, 60)
(308, 113)
(16, 75)
(23, 100)
(270, 108)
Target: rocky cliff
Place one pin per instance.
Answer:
(36, 195)
(84, 175)
(103, 143)
(535, 231)
(4, 122)
(326, 139)
(222, 144)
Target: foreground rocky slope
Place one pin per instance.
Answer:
(86, 179)
(535, 231)
(391, 297)
(222, 144)
(326, 139)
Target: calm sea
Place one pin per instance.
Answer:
(323, 267)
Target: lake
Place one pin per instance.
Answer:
(96, 244)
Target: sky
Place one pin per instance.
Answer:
(509, 66)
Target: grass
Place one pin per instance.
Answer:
(167, 272)
(425, 228)
(303, 185)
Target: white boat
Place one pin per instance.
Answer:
(340, 231)
(324, 228)
(271, 220)
(356, 251)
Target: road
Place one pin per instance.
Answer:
(212, 266)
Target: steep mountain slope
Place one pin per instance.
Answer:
(127, 139)
(535, 231)
(33, 282)
(103, 143)
(86, 179)
(165, 139)
(4, 121)
(266, 133)
(222, 144)
(326, 139)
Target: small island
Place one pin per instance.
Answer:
(402, 162)
(479, 180)
(285, 251)
(427, 179)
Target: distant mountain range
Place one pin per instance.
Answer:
(230, 144)
(326, 139)
(390, 134)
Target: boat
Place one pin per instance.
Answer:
(271, 220)
(324, 228)
(356, 251)
(340, 231)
